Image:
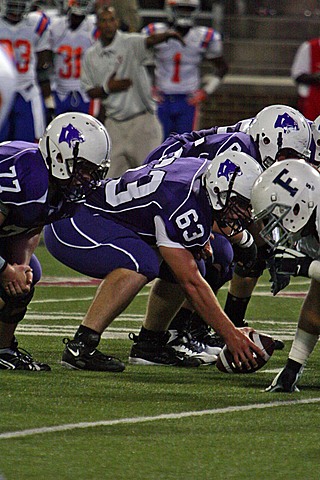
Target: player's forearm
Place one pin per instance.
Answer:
(22, 247)
(96, 92)
(157, 38)
(206, 304)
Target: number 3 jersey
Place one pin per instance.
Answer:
(24, 198)
(170, 189)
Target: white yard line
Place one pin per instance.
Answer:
(167, 416)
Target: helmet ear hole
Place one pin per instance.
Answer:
(59, 158)
(296, 209)
(266, 140)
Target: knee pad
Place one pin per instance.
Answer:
(36, 269)
(15, 308)
(222, 251)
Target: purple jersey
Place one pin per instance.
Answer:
(24, 197)
(116, 228)
(206, 144)
(171, 189)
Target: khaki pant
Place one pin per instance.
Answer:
(132, 140)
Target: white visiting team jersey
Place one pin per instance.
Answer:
(69, 47)
(24, 40)
(177, 66)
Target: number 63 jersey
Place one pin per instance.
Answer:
(171, 189)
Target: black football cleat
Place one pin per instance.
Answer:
(78, 356)
(155, 351)
(19, 359)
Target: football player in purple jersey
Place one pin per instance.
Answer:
(277, 132)
(154, 223)
(40, 183)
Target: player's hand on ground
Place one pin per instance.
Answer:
(16, 279)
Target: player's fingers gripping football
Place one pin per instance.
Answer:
(244, 351)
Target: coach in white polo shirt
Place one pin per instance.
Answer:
(114, 70)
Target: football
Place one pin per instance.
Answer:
(225, 361)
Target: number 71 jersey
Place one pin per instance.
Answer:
(171, 189)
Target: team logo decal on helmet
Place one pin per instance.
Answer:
(286, 122)
(286, 184)
(279, 130)
(71, 136)
(285, 196)
(76, 149)
(228, 169)
(228, 182)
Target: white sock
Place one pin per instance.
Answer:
(303, 345)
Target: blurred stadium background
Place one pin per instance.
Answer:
(260, 41)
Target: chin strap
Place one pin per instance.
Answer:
(48, 157)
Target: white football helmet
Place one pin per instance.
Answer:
(77, 7)
(280, 128)
(284, 196)
(229, 181)
(75, 142)
(14, 8)
(182, 12)
(315, 129)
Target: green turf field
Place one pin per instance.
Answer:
(152, 423)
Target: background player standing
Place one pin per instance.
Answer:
(27, 36)
(8, 79)
(71, 36)
(179, 89)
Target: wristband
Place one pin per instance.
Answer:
(246, 240)
(3, 264)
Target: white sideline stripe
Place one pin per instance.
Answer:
(165, 416)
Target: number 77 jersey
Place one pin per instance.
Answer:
(25, 201)
(171, 189)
